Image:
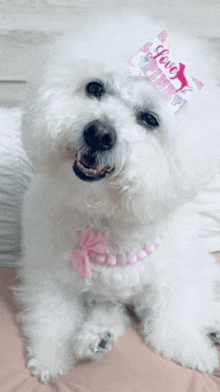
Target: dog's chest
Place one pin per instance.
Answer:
(119, 283)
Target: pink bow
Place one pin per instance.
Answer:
(92, 244)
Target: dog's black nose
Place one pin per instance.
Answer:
(99, 136)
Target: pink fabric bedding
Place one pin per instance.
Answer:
(131, 366)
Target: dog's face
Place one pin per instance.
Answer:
(116, 119)
(119, 138)
(108, 136)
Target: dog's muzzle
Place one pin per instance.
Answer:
(99, 137)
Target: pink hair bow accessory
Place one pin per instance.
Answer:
(92, 244)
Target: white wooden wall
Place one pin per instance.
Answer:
(24, 26)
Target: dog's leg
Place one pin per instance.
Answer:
(178, 323)
(105, 323)
(49, 319)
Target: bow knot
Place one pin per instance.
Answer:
(92, 244)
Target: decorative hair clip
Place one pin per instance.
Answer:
(169, 77)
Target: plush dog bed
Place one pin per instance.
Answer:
(130, 366)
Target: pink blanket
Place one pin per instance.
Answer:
(131, 366)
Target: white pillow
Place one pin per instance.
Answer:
(15, 173)
(208, 204)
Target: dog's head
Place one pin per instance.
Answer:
(104, 134)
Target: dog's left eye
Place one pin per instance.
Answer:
(147, 119)
(95, 89)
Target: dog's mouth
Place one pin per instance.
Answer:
(87, 169)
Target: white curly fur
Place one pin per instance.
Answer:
(156, 175)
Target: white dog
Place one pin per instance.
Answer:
(108, 219)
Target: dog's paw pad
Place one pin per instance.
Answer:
(105, 341)
(215, 336)
(103, 344)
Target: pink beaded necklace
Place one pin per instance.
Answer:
(93, 248)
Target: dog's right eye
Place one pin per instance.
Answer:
(95, 89)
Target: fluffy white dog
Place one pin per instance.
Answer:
(108, 219)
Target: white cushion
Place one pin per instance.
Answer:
(15, 173)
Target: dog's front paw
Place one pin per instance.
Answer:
(93, 344)
(43, 373)
(48, 366)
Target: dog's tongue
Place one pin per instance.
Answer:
(89, 162)
(87, 169)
